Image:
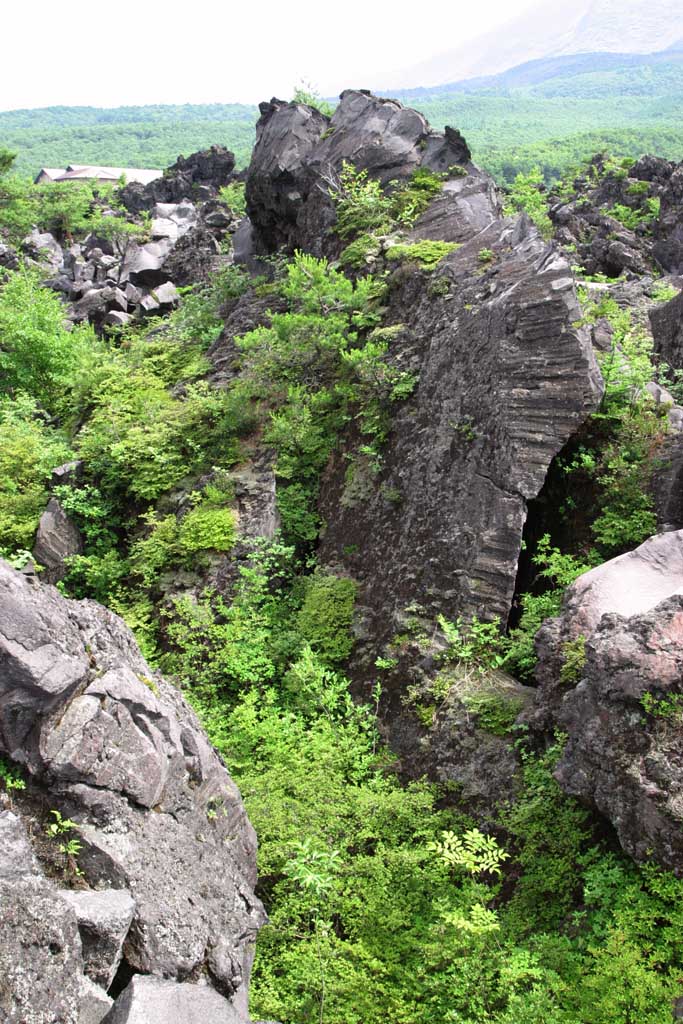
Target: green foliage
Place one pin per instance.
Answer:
(411, 198)
(362, 207)
(485, 256)
(306, 93)
(474, 852)
(476, 644)
(7, 158)
(37, 354)
(426, 253)
(669, 707)
(527, 194)
(556, 571)
(30, 450)
(634, 218)
(663, 292)
(326, 615)
(10, 776)
(69, 846)
(573, 660)
(234, 198)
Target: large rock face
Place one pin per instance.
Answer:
(117, 750)
(504, 380)
(299, 153)
(667, 331)
(621, 759)
(669, 231)
(41, 968)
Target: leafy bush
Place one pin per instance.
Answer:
(326, 616)
(527, 194)
(29, 451)
(37, 354)
(426, 253)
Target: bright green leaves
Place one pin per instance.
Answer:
(314, 367)
(30, 449)
(37, 353)
(473, 852)
(326, 616)
(527, 194)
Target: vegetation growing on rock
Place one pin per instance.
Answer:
(305, 388)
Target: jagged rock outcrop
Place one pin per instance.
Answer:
(41, 967)
(667, 331)
(668, 247)
(621, 759)
(299, 153)
(116, 749)
(57, 539)
(195, 177)
(593, 222)
(504, 379)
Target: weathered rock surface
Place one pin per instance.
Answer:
(667, 331)
(625, 763)
(120, 753)
(668, 247)
(109, 281)
(41, 970)
(209, 169)
(504, 381)
(155, 1001)
(104, 918)
(299, 153)
(57, 538)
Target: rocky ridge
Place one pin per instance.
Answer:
(166, 868)
(505, 375)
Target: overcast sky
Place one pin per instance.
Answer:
(158, 51)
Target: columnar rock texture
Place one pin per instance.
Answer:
(504, 379)
(667, 331)
(621, 759)
(116, 749)
(299, 154)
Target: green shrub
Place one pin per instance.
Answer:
(207, 529)
(37, 354)
(426, 253)
(29, 451)
(326, 616)
(527, 194)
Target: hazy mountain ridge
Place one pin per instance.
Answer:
(550, 29)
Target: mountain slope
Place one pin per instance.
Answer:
(551, 29)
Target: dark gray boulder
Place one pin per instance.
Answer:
(668, 246)
(9, 258)
(156, 1001)
(622, 760)
(57, 539)
(118, 750)
(667, 331)
(144, 264)
(43, 248)
(193, 258)
(204, 172)
(299, 154)
(278, 181)
(466, 206)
